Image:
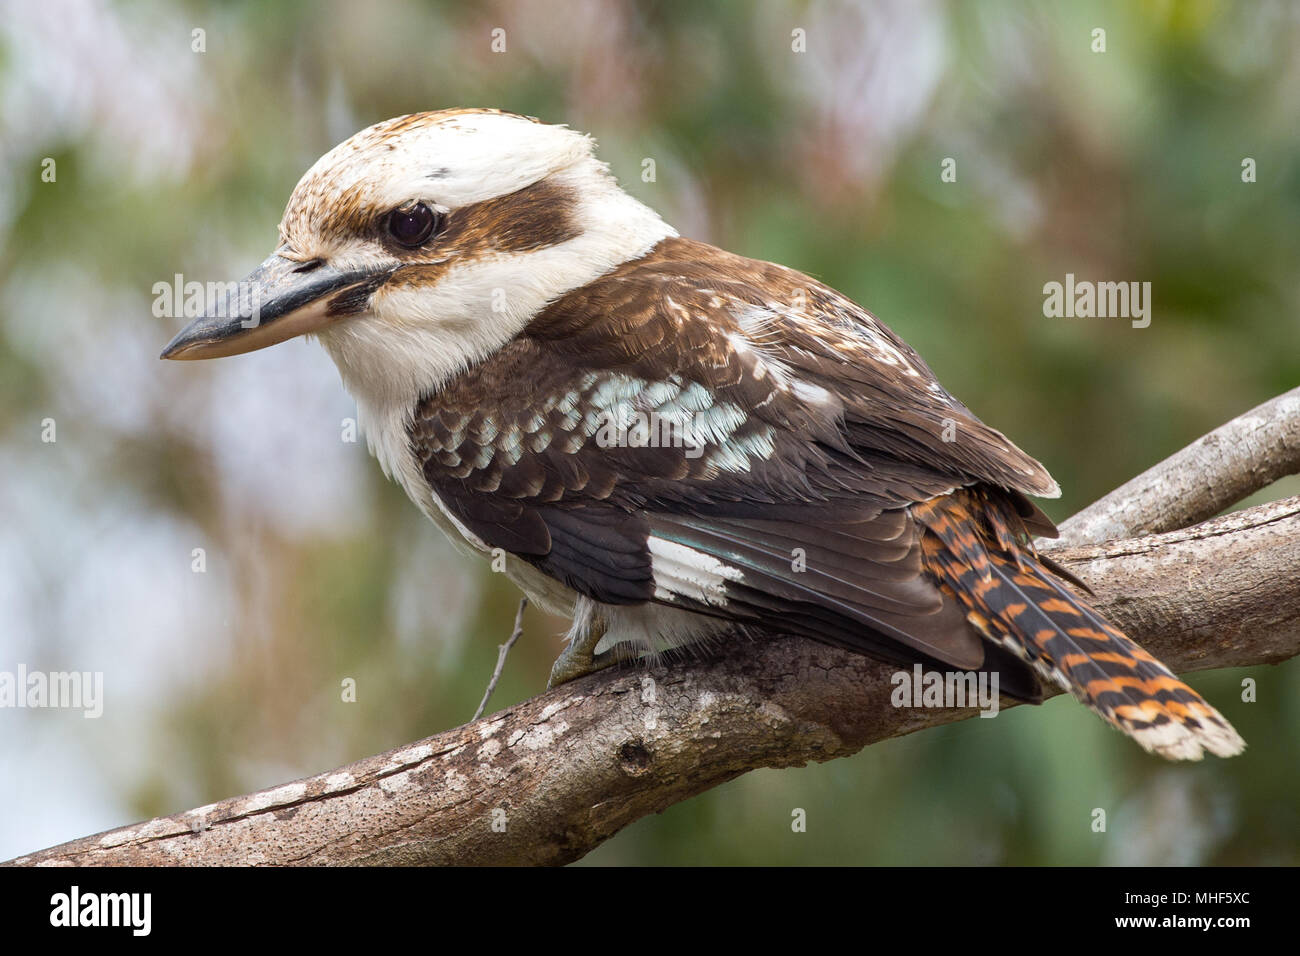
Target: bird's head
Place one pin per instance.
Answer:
(426, 242)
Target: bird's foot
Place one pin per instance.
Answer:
(575, 663)
(580, 658)
(569, 666)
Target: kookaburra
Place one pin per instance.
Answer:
(666, 441)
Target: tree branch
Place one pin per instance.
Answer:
(548, 780)
(1212, 473)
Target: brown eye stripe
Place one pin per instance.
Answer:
(535, 217)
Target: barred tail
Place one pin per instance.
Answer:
(977, 550)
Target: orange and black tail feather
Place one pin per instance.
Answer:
(978, 553)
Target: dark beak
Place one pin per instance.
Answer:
(279, 300)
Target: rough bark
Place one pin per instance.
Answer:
(546, 781)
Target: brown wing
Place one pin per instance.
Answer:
(801, 432)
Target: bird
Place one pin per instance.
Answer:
(666, 442)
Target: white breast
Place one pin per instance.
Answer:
(386, 434)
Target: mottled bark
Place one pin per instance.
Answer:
(548, 780)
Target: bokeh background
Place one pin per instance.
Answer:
(1122, 165)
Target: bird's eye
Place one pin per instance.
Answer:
(411, 226)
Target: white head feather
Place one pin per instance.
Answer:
(413, 338)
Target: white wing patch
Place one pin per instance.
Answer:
(680, 571)
(683, 414)
(615, 409)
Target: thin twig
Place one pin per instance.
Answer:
(502, 651)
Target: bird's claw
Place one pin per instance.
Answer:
(576, 662)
